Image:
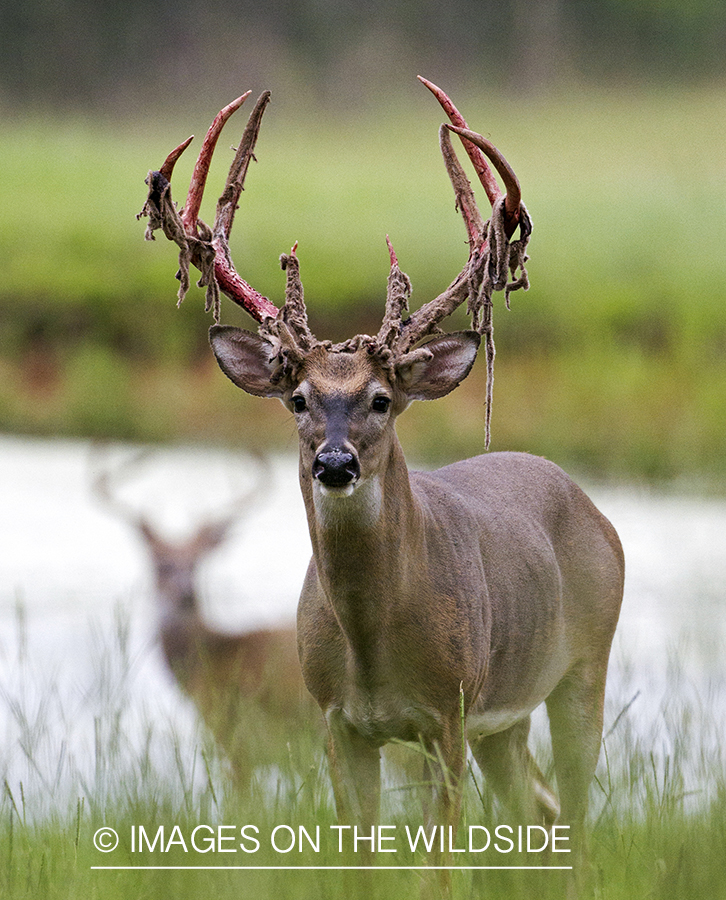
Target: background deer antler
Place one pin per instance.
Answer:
(108, 474)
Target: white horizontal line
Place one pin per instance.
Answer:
(331, 868)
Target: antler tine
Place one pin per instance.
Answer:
(229, 281)
(465, 200)
(217, 527)
(171, 160)
(474, 151)
(190, 213)
(397, 295)
(102, 483)
(227, 204)
(291, 326)
(490, 254)
(426, 319)
(506, 172)
(245, 500)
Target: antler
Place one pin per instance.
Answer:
(103, 479)
(208, 249)
(491, 255)
(473, 146)
(106, 475)
(205, 248)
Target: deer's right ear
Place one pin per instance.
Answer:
(436, 368)
(246, 359)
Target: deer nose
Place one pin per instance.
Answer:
(336, 467)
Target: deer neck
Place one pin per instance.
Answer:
(361, 541)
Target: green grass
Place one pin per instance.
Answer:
(657, 824)
(613, 362)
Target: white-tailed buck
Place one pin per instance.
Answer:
(494, 579)
(240, 683)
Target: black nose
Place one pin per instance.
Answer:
(335, 467)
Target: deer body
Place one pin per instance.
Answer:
(522, 583)
(218, 670)
(494, 577)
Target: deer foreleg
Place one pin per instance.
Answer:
(355, 768)
(515, 777)
(443, 769)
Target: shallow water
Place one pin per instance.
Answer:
(77, 616)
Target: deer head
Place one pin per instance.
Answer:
(175, 562)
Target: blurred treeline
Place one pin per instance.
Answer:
(95, 51)
(612, 112)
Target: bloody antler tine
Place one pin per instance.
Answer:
(190, 213)
(486, 176)
(391, 252)
(492, 254)
(227, 203)
(511, 182)
(229, 281)
(465, 200)
(171, 160)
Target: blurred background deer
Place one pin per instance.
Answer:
(243, 684)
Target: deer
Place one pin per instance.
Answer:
(232, 678)
(440, 607)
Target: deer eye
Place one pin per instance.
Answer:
(381, 404)
(298, 403)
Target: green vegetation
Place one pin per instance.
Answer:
(614, 362)
(658, 824)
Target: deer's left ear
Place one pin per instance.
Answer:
(435, 369)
